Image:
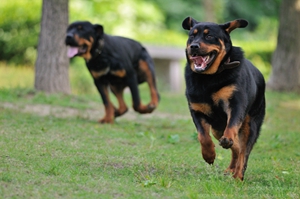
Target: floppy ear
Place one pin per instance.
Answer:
(230, 26)
(188, 23)
(99, 29)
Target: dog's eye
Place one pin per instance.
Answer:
(209, 37)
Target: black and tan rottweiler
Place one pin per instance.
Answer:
(114, 63)
(225, 92)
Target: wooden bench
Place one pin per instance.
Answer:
(169, 64)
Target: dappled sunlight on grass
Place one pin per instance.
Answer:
(293, 104)
(16, 77)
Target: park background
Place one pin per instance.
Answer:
(156, 23)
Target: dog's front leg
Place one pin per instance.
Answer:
(109, 108)
(207, 145)
(234, 122)
(235, 139)
(118, 92)
(137, 104)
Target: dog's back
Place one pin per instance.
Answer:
(129, 52)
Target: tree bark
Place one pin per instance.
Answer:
(285, 74)
(209, 11)
(52, 64)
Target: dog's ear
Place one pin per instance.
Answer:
(230, 26)
(188, 23)
(99, 29)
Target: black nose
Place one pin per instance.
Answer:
(69, 34)
(195, 46)
(69, 39)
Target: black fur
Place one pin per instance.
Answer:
(115, 63)
(225, 92)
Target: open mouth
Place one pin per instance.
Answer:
(76, 50)
(202, 62)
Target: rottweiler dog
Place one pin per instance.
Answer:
(114, 63)
(225, 92)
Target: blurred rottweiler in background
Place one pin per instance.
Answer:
(225, 92)
(114, 63)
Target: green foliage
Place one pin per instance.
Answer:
(252, 10)
(177, 10)
(74, 157)
(124, 17)
(140, 20)
(154, 22)
(19, 30)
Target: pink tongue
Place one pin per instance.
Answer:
(199, 61)
(72, 51)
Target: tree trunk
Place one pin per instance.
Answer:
(52, 64)
(209, 10)
(285, 74)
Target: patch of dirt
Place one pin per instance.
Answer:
(90, 114)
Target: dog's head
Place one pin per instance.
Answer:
(209, 43)
(81, 37)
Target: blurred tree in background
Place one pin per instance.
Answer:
(155, 22)
(52, 64)
(149, 21)
(285, 75)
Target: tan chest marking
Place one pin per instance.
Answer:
(97, 74)
(118, 73)
(201, 107)
(223, 94)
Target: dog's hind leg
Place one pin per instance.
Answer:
(239, 150)
(145, 72)
(118, 92)
(254, 124)
(235, 151)
(146, 67)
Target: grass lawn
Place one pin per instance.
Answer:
(153, 156)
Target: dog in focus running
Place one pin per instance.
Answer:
(225, 92)
(114, 63)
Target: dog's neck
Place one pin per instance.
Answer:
(228, 65)
(99, 47)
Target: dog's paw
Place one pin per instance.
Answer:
(239, 176)
(151, 107)
(106, 120)
(225, 142)
(119, 112)
(208, 153)
(209, 158)
(229, 171)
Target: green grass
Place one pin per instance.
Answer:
(149, 157)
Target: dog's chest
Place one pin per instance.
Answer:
(211, 100)
(101, 68)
